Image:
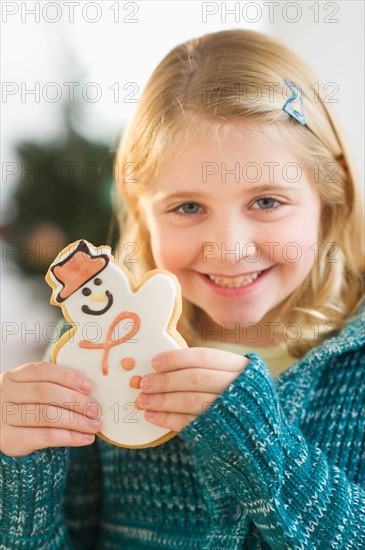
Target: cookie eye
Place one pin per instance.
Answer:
(97, 282)
(86, 291)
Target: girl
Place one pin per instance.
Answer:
(233, 177)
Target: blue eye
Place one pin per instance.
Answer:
(187, 208)
(267, 203)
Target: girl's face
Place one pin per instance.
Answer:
(237, 222)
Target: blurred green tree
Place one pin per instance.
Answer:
(63, 193)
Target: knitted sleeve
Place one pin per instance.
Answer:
(31, 491)
(50, 499)
(286, 486)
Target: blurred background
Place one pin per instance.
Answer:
(72, 75)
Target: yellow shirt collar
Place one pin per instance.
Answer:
(277, 358)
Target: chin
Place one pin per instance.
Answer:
(230, 320)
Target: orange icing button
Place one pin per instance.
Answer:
(135, 381)
(127, 363)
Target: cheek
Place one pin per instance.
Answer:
(172, 248)
(294, 239)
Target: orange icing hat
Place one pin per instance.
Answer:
(78, 268)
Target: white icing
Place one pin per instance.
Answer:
(153, 302)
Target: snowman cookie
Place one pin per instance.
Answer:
(117, 327)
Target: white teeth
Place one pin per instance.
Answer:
(235, 282)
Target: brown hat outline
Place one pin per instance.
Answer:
(77, 269)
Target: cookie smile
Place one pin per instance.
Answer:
(89, 311)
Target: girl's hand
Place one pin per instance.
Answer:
(187, 381)
(45, 405)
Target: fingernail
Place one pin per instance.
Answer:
(146, 382)
(94, 423)
(144, 399)
(150, 415)
(85, 385)
(87, 437)
(93, 410)
(156, 361)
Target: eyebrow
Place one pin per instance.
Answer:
(195, 194)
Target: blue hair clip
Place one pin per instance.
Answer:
(289, 109)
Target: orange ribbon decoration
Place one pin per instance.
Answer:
(109, 342)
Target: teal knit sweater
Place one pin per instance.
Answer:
(270, 464)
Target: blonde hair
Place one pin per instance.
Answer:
(215, 82)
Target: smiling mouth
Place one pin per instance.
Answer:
(90, 311)
(234, 282)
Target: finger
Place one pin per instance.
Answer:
(207, 358)
(181, 402)
(198, 379)
(36, 415)
(48, 392)
(13, 444)
(44, 371)
(171, 421)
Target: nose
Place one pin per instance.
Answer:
(98, 297)
(232, 239)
